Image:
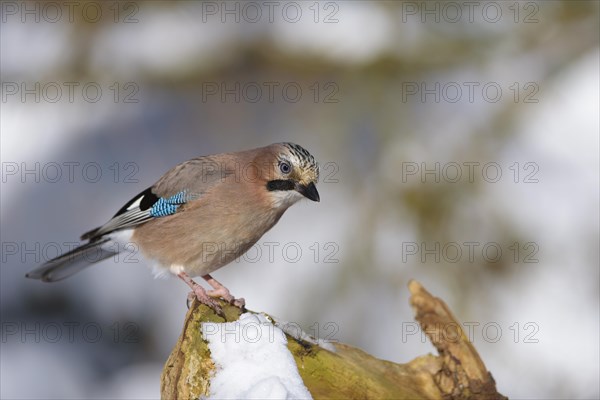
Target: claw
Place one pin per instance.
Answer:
(190, 299)
(239, 303)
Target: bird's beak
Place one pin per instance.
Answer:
(309, 191)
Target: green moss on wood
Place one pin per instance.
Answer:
(348, 373)
(353, 374)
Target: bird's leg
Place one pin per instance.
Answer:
(221, 291)
(199, 292)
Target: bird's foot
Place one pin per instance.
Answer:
(224, 293)
(221, 291)
(204, 298)
(199, 293)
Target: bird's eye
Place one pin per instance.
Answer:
(285, 168)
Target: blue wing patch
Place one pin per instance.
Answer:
(140, 209)
(168, 206)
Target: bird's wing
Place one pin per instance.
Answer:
(183, 183)
(196, 175)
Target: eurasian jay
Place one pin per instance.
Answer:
(201, 215)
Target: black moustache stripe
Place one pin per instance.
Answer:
(280, 184)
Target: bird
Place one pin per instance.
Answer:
(199, 216)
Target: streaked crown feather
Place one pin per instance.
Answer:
(303, 159)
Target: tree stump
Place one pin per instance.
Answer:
(347, 372)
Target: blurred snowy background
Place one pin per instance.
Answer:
(459, 145)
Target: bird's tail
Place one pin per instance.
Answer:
(72, 262)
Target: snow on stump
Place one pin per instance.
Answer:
(252, 355)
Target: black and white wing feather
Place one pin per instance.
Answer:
(135, 212)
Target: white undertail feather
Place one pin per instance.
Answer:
(121, 241)
(176, 269)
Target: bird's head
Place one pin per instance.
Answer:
(293, 174)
